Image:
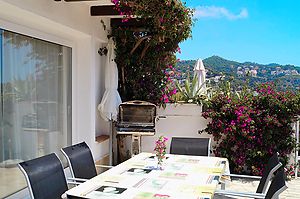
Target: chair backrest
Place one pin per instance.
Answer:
(80, 160)
(277, 185)
(45, 177)
(190, 146)
(272, 166)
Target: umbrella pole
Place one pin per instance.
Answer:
(111, 142)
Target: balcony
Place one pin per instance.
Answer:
(73, 32)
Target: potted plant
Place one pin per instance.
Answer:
(189, 92)
(181, 115)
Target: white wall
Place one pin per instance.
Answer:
(102, 127)
(176, 121)
(68, 24)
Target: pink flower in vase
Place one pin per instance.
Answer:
(160, 149)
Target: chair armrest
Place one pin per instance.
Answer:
(244, 176)
(78, 179)
(103, 166)
(240, 194)
(75, 181)
(64, 196)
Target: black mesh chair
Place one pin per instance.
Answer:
(45, 177)
(272, 166)
(276, 188)
(81, 161)
(190, 146)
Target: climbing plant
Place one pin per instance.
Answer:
(144, 53)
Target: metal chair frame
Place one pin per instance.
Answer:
(276, 188)
(273, 163)
(71, 166)
(173, 149)
(28, 179)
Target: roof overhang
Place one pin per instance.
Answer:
(105, 8)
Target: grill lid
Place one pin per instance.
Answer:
(137, 114)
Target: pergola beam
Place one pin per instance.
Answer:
(90, 2)
(130, 23)
(111, 12)
(78, 0)
(107, 10)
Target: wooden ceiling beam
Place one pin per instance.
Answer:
(110, 11)
(131, 23)
(103, 11)
(91, 2)
(107, 10)
(78, 0)
(116, 22)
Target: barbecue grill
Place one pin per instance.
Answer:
(136, 118)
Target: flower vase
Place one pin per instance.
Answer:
(159, 163)
(159, 166)
(160, 151)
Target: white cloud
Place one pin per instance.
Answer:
(219, 12)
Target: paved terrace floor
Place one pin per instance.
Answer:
(293, 191)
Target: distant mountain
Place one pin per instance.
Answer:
(287, 76)
(216, 62)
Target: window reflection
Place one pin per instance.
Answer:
(35, 93)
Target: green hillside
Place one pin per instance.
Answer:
(287, 76)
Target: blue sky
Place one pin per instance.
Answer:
(262, 31)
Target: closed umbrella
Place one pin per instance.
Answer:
(199, 72)
(111, 100)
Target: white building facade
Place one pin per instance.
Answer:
(69, 29)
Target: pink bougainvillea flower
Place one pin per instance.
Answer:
(248, 130)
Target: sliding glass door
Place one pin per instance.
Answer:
(35, 90)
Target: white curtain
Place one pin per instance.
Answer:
(33, 90)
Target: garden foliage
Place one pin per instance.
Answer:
(250, 125)
(144, 53)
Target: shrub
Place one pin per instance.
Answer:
(249, 126)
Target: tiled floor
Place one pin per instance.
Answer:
(293, 191)
(11, 179)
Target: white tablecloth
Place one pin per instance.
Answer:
(182, 177)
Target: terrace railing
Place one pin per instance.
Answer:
(297, 154)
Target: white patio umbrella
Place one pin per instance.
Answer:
(199, 71)
(111, 100)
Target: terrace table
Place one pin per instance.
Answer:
(182, 176)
